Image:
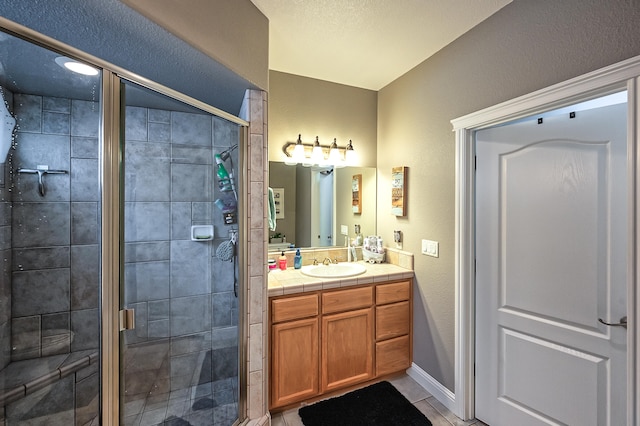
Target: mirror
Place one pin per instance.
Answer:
(316, 201)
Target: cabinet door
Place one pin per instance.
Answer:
(347, 348)
(294, 363)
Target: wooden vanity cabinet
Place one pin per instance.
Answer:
(332, 339)
(295, 357)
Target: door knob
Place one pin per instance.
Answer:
(622, 323)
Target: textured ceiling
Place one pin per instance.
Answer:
(116, 34)
(365, 43)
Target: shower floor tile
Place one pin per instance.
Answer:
(185, 407)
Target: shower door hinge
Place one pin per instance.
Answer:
(127, 319)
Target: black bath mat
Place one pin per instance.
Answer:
(380, 404)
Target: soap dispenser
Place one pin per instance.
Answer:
(297, 260)
(282, 261)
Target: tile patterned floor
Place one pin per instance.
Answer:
(437, 413)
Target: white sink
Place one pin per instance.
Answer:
(334, 270)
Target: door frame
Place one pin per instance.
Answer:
(611, 79)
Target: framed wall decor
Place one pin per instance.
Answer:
(356, 194)
(278, 199)
(399, 191)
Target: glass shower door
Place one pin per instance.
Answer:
(49, 238)
(180, 362)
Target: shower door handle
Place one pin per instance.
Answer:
(127, 319)
(622, 323)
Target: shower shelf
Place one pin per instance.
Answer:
(201, 232)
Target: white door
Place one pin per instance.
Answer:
(551, 253)
(322, 195)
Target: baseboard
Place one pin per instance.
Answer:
(434, 387)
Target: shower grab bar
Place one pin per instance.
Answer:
(41, 171)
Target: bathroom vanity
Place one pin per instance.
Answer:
(331, 334)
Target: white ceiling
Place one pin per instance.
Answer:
(365, 43)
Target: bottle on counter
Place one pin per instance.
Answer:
(297, 260)
(282, 261)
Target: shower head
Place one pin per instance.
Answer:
(326, 172)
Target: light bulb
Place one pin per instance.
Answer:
(334, 154)
(298, 153)
(317, 156)
(350, 155)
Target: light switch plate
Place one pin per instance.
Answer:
(430, 248)
(344, 229)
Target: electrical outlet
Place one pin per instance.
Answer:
(430, 248)
(344, 229)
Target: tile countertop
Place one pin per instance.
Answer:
(293, 281)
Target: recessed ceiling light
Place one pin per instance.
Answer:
(75, 66)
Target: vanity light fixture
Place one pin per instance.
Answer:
(75, 66)
(322, 155)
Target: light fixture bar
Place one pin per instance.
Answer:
(312, 152)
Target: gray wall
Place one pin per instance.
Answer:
(311, 107)
(284, 176)
(527, 45)
(206, 25)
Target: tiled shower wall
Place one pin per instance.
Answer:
(55, 238)
(186, 310)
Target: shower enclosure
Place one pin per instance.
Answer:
(176, 269)
(181, 360)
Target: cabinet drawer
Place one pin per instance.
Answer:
(392, 320)
(344, 300)
(294, 307)
(393, 355)
(395, 292)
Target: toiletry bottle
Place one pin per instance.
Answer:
(223, 176)
(297, 260)
(227, 204)
(282, 261)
